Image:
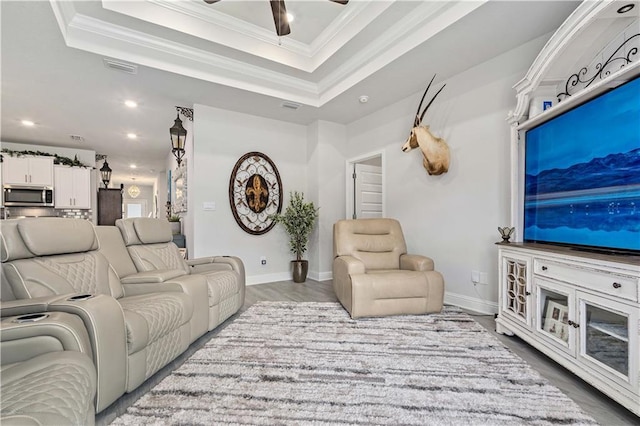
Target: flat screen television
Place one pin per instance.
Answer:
(582, 175)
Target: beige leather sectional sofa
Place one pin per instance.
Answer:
(139, 302)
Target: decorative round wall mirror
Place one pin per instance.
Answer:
(255, 192)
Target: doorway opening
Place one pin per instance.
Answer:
(365, 186)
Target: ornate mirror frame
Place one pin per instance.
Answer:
(255, 193)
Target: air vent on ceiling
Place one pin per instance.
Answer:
(290, 105)
(76, 138)
(121, 66)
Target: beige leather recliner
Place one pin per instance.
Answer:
(374, 276)
(46, 375)
(151, 248)
(113, 248)
(134, 329)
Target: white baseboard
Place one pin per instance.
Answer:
(472, 303)
(269, 278)
(320, 276)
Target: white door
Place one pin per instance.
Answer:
(135, 208)
(368, 191)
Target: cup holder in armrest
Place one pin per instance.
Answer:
(79, 297)
(30, 318)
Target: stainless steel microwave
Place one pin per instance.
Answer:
(23, 196)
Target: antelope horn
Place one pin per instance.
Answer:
(430, 102)
(416, 122)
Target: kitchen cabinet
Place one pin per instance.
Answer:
(27, 171)
(72, 187)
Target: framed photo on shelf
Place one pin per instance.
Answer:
(556, 320)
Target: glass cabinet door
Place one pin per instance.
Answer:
(608, 334)
(555, 314)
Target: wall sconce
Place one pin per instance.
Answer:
(105, 173)
(179, 134)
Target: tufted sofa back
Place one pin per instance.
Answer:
(150, 244)
(378, 243)
(50, 256)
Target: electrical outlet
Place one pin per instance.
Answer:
(263, 260)
(484, 278)
(475, 277)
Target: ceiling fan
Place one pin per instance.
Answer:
(279, 11)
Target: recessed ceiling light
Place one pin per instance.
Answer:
(363, 99)
(132, 135)
(132, 166)
(28, 123)
(131, 104)
(626, 8)
(290, 17)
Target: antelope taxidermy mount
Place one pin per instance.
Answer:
(435, 151)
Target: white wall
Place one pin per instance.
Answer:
(325, 159)
(453, 217)
(221, 137)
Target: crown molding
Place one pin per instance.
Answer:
(100, 37)
(202, 21)
(112, 40)
(424, 22)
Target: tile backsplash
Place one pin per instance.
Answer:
(16, 212)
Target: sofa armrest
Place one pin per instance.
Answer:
(103, 319)
(146, 288)
(348, 265)
(216, 263)
(27, 336)
(157, 276)
(27, 306)
(416, 262)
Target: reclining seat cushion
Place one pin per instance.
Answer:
(155, 322)
(50, 256)
(53, 388)
(378, 243)
(27, 238)
(150, 244)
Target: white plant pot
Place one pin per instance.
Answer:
(175, 227)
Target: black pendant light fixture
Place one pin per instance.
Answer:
(179, 133)
(105, 173)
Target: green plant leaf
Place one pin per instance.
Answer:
(298, 220)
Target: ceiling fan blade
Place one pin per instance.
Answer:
(279, 11)
(211, 1)
(338, 1)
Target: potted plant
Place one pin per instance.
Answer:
(298, 220)
(174, 221)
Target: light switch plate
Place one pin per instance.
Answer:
(209, 205)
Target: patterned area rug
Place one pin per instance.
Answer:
(310, 363)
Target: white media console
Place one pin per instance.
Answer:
(579, 308)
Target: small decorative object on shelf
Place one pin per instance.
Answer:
(174, 220)
(506, 233)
